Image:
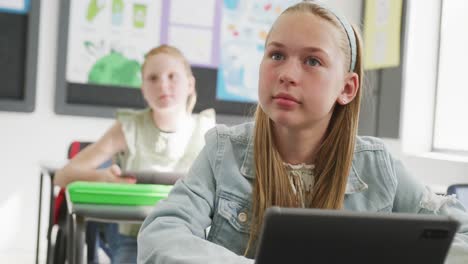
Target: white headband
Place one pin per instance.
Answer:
(351, 38)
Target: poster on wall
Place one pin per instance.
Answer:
(245, 25)
(14, 6)
(382, 31)
(106, 41)
(193, 27)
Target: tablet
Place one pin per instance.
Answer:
(293, 235)
(154, 177)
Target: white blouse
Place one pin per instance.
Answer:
(302, 179)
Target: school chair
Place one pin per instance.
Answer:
(47, 172)
(57, 226)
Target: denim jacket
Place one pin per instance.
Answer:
(217, 192)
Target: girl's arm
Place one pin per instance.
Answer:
(83, 167)
(175, 231)
(412, 196)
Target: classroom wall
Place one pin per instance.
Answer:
(26, 139)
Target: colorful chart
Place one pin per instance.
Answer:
(111, 37)
(108, 39)
(245, 25)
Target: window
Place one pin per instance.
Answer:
(451, 103)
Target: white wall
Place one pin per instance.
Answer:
(28, 138)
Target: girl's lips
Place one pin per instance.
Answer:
(285, 97)
(285, 100)
(165, 96)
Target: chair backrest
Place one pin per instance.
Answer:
(60, 208)
(75, 147)
(57, 255)
(461, 191)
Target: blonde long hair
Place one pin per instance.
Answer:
(334, 156)
(176, 53)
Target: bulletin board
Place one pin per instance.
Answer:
(382, 32)
(19, 27)
(102, 45)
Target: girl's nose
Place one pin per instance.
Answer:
(163, 83)
(290, 73)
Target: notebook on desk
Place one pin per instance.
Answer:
(292, 235)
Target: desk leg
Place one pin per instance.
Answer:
(75, 238)
(79, 239)
(39, 220)
(70, 239)
(50, 252)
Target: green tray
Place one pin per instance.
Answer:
(117, 193)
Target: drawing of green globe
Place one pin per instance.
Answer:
(115, 69)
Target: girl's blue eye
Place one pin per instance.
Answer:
(312, 61)
(276, 56)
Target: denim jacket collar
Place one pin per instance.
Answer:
(247, 168)
(355, 183)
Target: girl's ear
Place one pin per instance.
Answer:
(143, 91)
(350, 89)
(191, 84)
(142, 87)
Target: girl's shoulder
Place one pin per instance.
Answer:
(241, 133)
(367, 143)
(205, 120)
(125, 115)
(372, 158)
(209, 114)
